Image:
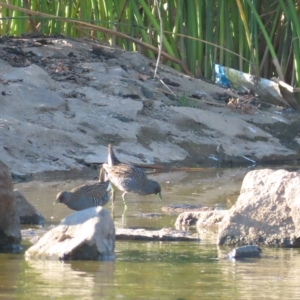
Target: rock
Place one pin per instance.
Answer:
(85, 235)
(19, 177)
(180, 208)
(208, 217)
(10, 231)
(245, 251)
(148, 215)
(266, 212)
(34, 234)
(165, 234)
(26, 211)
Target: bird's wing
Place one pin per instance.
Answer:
(125, 171)
(92, 190)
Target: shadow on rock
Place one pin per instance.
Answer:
(10, 231)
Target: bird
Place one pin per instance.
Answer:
(87, 195)
(128, 178)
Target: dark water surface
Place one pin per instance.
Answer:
(152, 270)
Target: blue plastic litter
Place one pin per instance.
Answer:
(220, 77)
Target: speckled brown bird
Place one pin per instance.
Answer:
(87, 195)
(128, 178)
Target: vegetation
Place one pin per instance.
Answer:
(256, 36)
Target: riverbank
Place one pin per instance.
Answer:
(63, 101)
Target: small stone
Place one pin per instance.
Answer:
(245, 251)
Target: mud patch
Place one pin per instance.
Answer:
(198, 154)
(106, 139)
(255, 139)
(288, 134)
(187, 124)
(148, 135)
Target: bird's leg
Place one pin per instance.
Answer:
(112, 195)
(123, 197)
(123, 216)
(112, 211)
(159, 196)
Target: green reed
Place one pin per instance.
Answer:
(256, 36)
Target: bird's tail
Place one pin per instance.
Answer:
(112, 159)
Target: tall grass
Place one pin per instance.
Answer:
(256, 36)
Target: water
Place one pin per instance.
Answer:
(152, 270)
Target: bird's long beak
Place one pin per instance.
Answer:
(159, 196)
(56, 201)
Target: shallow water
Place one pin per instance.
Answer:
(152, 270)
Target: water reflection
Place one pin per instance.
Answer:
(274, 276)
(156, 270)
(79, 280)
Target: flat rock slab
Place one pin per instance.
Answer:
(165, 234)
(148, 215)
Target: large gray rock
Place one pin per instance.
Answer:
(10, 231)
(85, 235)
(266, 212)
(27, 213)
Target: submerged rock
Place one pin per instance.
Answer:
(165, 234)
(180, 208)
(85, 235)
(34, 234)
(245, 251)
(10, 231)
(27, 213)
